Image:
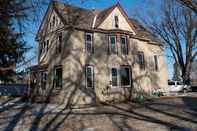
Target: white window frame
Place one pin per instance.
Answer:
(92, 75)
(118, 76)
(89, 42)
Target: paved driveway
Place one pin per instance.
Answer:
(177, 114)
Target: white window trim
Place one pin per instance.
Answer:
(89, 42)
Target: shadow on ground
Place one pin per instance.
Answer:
(161, 114)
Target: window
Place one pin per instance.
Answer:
(60, 42)
(156, 63)
(125, 78)
(89, 75)
(53, 21)
(113, 48)
(43, 79)
(116, 21)
(58, 77)
(121, 76)
(41, 48)
(124, 45)
(47, 45)
(114, 73)
(141, 60)
(88, 42)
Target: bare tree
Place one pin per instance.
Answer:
(192, 4)
(177, 28)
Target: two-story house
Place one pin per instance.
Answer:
(87, 56)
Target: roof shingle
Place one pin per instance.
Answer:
(83, 18)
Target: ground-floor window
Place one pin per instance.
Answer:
(121, 76)
(89, 76)
(58, 77)
(114, 75)
(43, 79)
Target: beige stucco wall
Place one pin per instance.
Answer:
(74, 77)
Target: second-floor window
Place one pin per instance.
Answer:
(113, 46)
(89, 42)
(124, 45)
(141, 60)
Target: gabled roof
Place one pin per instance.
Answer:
(143, 33)
(84, 19)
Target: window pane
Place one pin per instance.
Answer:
(113, 40)
(89, 76)
(141, 61)
(123, 45)
(124, 76)
(89, 82)
(88, 37)
(113, 44)
(114, 74)
(116, 21)
(89, 71)
(156, 62)
(88, 46)
(58, 77)
(88, 42)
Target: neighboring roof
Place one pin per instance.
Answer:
(84, 18)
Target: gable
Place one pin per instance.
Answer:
(109, 22)
(47, 22)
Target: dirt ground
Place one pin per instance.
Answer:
(162, 114)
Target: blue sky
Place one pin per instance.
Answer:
(132, 8)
